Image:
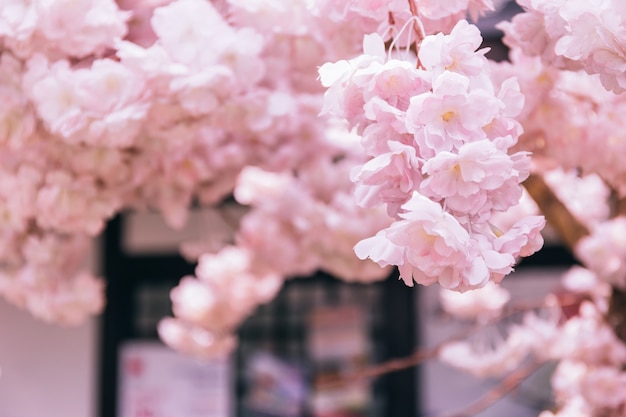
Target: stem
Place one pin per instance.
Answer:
(508, 384)
(616, 315)
(420, 356)
(384, 368)
(618, 204)
(419, 31)
(413, 7)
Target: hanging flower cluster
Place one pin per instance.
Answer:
(438, 131)
(296, 225)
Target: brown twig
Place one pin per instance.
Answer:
(569, 228)
(384, 368)
(618, 204)
(413, 7)
(506, 385)
(420, 356)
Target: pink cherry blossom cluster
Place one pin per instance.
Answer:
(569, 119)
(298, 223)
(154, 106)
(574, 190)
(584, 342)
(604, 251)
(574, 35)
(589, 377)
(438, 133)
(61, 28)
(480, 304)
(209, 309)
(159, 104)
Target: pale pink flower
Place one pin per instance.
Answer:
(455, 52)
(451, 114)
(255, 184)
(566, 380)
(187, 30)
(485, 302)
(44, 274)
(283, 17)
(396, 81)
(604, 387)
(478, 169)
(527, 30)
(74, 204)
(604, 251)
(523, 239)
(232, 265)
(194, 340)
(573, 35)
(488, 360)
(389, 178)
(434, 9)
(83, 27)
(202, 92)
(428, 245)
(581, 280)
(69, 301)
(588, 338)
(18, 20)
(195, 301)
(541, 331)
(185, 27)
(104, 104)
(51, 87)
(578, 191)
(344, 97)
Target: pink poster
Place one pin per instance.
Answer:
(155, 381)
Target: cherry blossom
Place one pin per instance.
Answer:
(481, 303)
(489, 362)
(604, 251)
(573, 34)
(359, 135)
(455, 168)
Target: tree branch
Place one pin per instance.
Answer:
(568, 227)
(506, 385)
(564, 300)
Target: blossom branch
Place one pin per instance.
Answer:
(384, 368)
(618, 204)
(569, 228)
(506, 386)
(422, 355)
